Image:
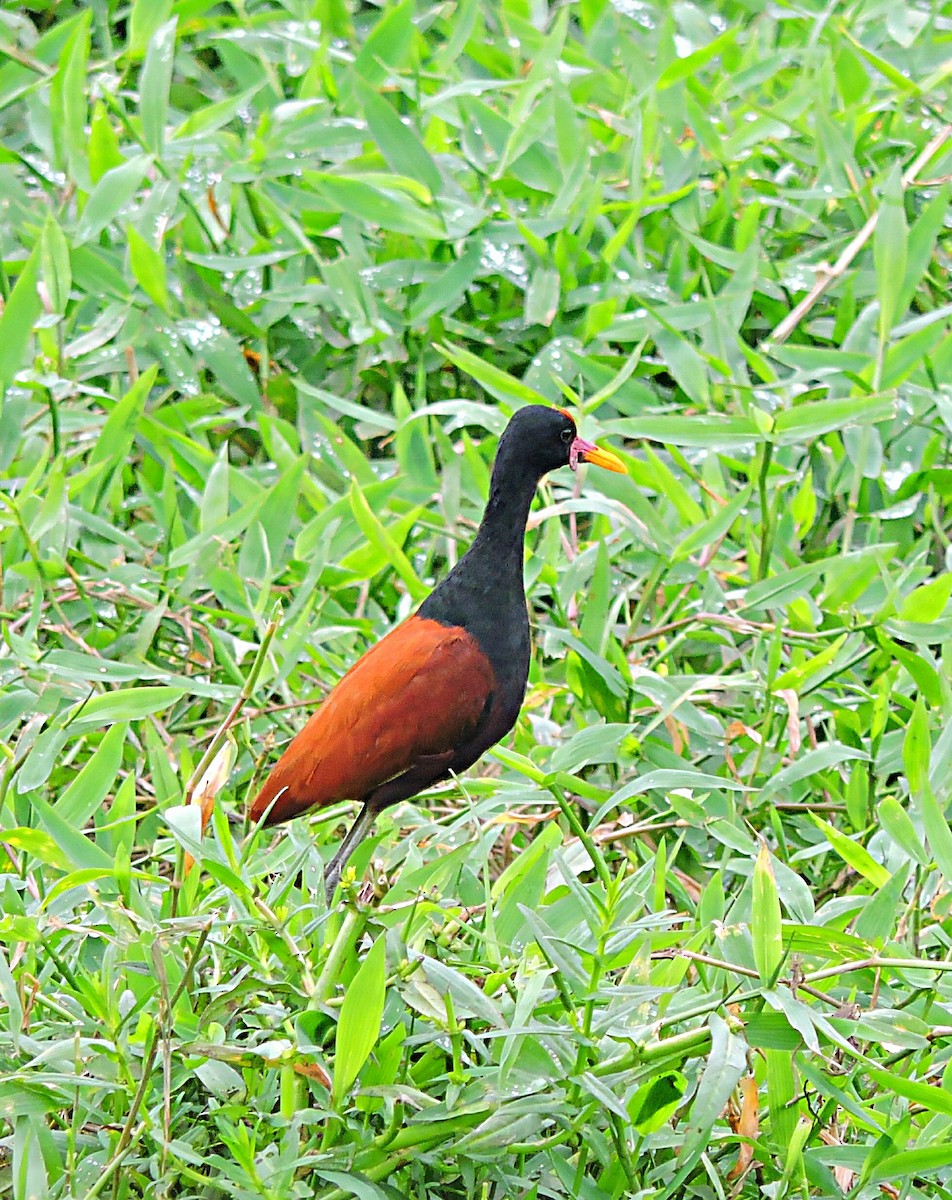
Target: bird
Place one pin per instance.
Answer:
(440, 689)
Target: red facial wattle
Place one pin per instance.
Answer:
(588, 452)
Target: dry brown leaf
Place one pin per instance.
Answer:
(737, 729)
(844, 1176)
(745, 1124)
(313, 1070)
(528, 819)
(678, 734)
(208, 787)
(691, 886)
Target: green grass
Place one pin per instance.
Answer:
(273, 277)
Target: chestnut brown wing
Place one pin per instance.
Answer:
(417, 694)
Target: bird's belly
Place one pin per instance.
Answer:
(496, 723)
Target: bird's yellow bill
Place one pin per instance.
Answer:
(598, 457)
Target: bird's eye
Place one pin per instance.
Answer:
(566, 435)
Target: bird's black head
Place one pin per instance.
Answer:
(538, 438)
(542, 439)
(484, 592)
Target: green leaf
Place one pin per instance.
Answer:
(922, 1162)
(903, 83)
(605, 1097)
(542, 297)
(43, 756)
(360, 1016)
(206, 120)
(688, 368)
(667, 780)
(104, 152)
(821, 759)
(377, 420)
(147, 17)
(398, 142)
(148, 266)
(690, 64)
(877, 922)
(350, 1183)
(921, 244)
(936, 828)
(388, 43)
(711, 530)
(772, 1030)
(765, 919)
(379, 206)
(38, 845)
(796, 678)
(799, 1015)
(277, 512)
(820, 361)
(781, 1092)
(373, 529)
(74, 879)
(154, 84)
(929, 601)
(706, 432)
(655, 1102)
(898, 824)
(468, 1000)
(18, 319)
(657, 475)
(932, 1097)
(57, 270)
(594, 626)
(68, 101)
(118, 431)
(495, 381)
(780, 589)
(853, 854)
(125, 704)
(82, 852)
(806, 421)
(725, 1064)
(88, 790)
(442, 293)
(598, 743)
(110, 195)
(917, 749)
(890, 250)
(857, 795)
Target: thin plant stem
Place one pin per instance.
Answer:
(594, 853)
(247, 691)
(825, 281)
(129, 1134)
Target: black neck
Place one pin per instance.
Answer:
(500, 539)
(487, 582)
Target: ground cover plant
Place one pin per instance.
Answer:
(273, 277)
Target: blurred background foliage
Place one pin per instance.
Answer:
(274, 275)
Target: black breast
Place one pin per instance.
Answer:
(494, 612)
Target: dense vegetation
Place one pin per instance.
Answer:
(273, 277)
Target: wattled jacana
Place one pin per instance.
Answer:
(440, 689)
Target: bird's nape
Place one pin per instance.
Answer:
(431, 697)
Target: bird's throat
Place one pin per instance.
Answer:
(485, 591)
(500, 539)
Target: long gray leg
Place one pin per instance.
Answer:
(355, 835)
(428, 769)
